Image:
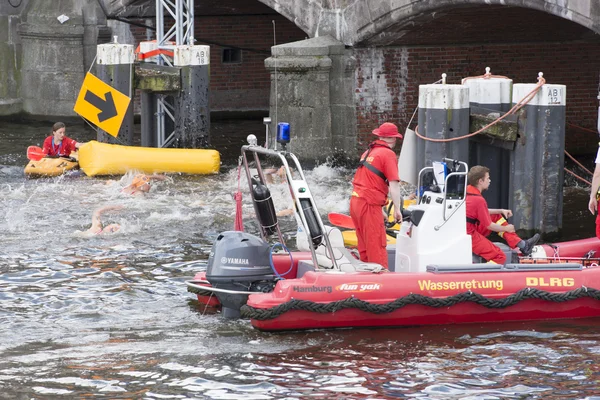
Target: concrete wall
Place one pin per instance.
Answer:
(355, 22)
(10, 57)
(55, 54)
(311, 88)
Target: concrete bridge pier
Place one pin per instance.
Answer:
(52, 57)
(311, 86)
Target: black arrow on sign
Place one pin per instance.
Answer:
(107, 107)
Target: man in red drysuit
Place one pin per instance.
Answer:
(376, 175)
(482, 221)
(595, 193)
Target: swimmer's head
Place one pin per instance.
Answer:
(111, 228)
(141, 182)
(281, 172)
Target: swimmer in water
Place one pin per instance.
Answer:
(97, 227)
(141, 184)
(278, 176)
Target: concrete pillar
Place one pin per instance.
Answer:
(148, 119)
(148, 99)
(52, 57)
(192, 109)
(491, 97)
(301, 94)
(490, 94)
(342, 84)
(114, 66)
(10, 58)
(536, 190)
(443, 114)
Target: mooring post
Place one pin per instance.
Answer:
(192, 109)
(492, 93)
(115, 68)
(148, 119)
(148, 53)
(490, 97)
(443, 114)
(536, 190)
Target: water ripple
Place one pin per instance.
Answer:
(109, 315)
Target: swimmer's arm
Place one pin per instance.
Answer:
(96, 216)
(96, 222)
(157, 177)
(104, 209)
(285, 213)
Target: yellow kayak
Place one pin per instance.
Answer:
(47, 167)
(350, 239)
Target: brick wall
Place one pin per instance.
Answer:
(246, 85)
(388, 80)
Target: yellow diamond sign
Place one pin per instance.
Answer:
(101, 104)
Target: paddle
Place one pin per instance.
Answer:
(35, 153)
(341, 220)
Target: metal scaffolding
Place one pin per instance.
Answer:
(181, 12)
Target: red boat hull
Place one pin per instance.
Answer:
(573, 248)
(383, 290)
(379, 290)
(416, 315)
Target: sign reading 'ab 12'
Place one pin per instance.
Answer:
(101, 104)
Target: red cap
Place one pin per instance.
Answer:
(387, 130)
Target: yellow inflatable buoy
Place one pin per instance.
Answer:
(98, 158)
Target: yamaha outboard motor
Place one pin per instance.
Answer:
(239, 262)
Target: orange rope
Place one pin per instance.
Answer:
(487, 75)
(578, 177)
(578, 163)
(582, 128)
(238, 224)
(520, 104)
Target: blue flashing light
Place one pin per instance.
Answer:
(283, 132)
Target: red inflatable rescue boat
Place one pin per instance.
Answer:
(432, 278)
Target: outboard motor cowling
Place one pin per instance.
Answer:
(238, 257)
(239, 261)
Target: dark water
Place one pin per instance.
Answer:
(109, 316)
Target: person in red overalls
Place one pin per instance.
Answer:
(482, 221)
(57, 144)
(595, 193)
(376, 175)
